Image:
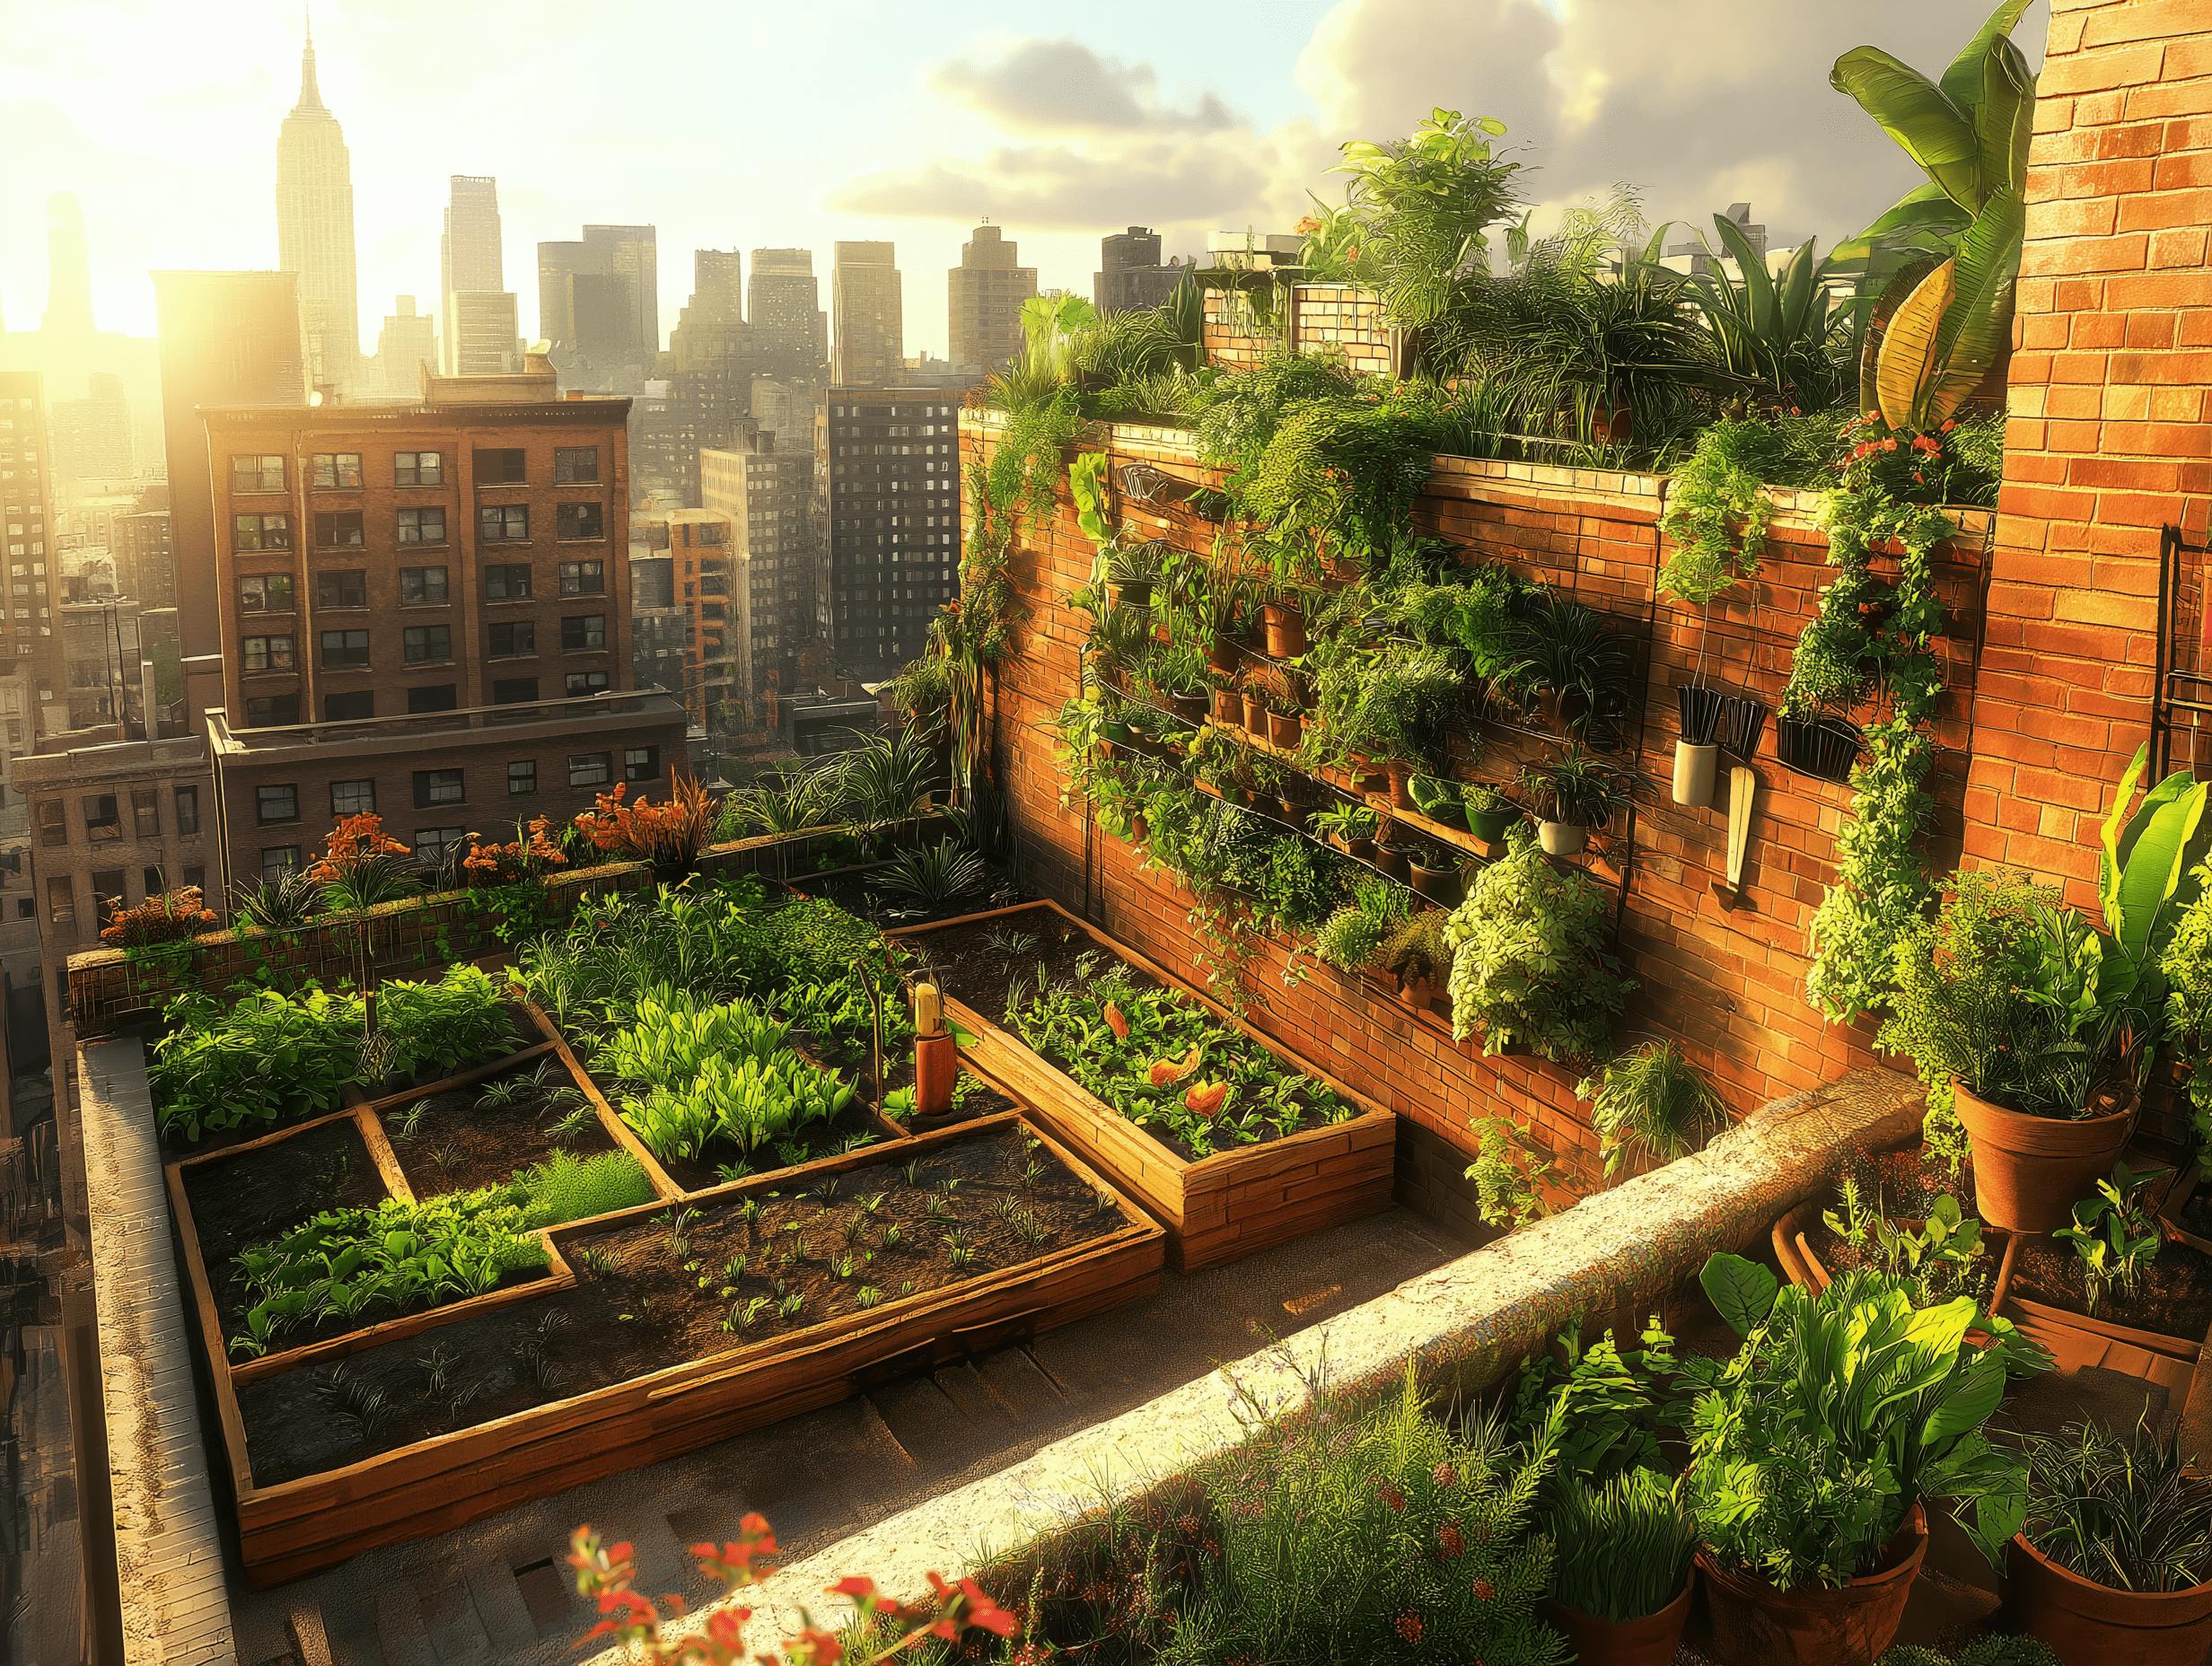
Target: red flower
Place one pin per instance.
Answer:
(1391, 1496)
(1444, 1474)
(1409, 1627)
(1449, 1542)
(1484, 1590)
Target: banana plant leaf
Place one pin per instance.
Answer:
(1913, 110)
(1906, 360)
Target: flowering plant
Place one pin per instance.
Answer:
(607, 1574)
(670, 834)
(353, 842)
(171, 915)
(525, 857)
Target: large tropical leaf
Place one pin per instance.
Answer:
(1913, 110)
(1905, 361)
(1758, 285)
(2144, 869)
(1742, 1293)
(1962, 82)
(1922, 220)
(2005, 120)
(1976, 327)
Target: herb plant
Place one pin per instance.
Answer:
(1650, 1101)
(1624, 1545)
(218, 1069)
(2116, 1233)
(1531, 962)
(2128, 1511)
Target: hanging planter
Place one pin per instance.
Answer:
(1562, 839)
(1696, 754)
(1742, 721)
(1824, 748)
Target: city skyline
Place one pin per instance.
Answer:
(942, 127)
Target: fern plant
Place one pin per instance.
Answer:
(1650, 1101)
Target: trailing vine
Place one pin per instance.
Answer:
(1717, 511)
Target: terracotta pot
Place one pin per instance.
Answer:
(2029, 1171)
(1415, 993)
(1391, 861)
(1369, 776)
(1283, 729)
(1752, 1623)
(936, 1063)
(1650, 1641)
(1402, 784)
(1221, 654)
(1285, 628)
(2087, 1623)
(1256, 714)
(1562, 839)
(1359, 849)
(1136, 828)
(1228, 707)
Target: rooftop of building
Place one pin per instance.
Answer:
(582, 713)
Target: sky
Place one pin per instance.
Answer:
(739, 124)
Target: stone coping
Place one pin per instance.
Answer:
(1461, 1328)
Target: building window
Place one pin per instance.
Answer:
(498, 467)
(641, 763)
(61, 904)
(332, 471)
(338, 528)
(278, 859)
(265, 593)
(435, 845)
(108, 892)
(145, 812)
(353, 798)
(187, 809)
(345, 709)
(423, 586)
(432, 697)
(195, 876)
(265, 653)
(575, 465)
(252, 532)
(418, 468)
(582, 631)
(513, 690)
(276, 803)
(580, 521)
(590, 768)
(270, 711)
(263, 473)
(103, 821)
(584, 682)
(522, 777)
(508, 582)
(436, 786)
(53, 822)
(348, 587)
(502, 523)
(422, 526)
(584, 578)
(425, 644)
(510, 641)
(344, 649)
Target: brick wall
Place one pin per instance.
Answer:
(1228, 334)
(1728, 983)
(1343, 320)
(2109, 438)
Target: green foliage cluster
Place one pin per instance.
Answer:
(1650, 1101)
(2126, 1509)
(1624, 1545)
(1532, 965)
(565, 1187)
(217, 1069)
(459, 1019)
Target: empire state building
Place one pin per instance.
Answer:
(315, 233)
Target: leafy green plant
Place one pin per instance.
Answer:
(1347, 821)
(1423, 208)
(1571, 651)
(2116, 1232)
(1576, 785)
(220, 1068)
(933, 875)
(1352, 938)
(1418, 951)
(1531, 964)
(1412, 705)
(1774, 334)
(1800, 1474)
(1650, 1101)
(746, 1103)
(278, 902)
(1509, 1173)
(565, 1187)
(2127, 1511)
(1624, 1545)
(1603, 1405)
(1718, 508)
(462, 1019)
(1940, 1258)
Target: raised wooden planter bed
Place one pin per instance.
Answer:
(296, 1526)
(1219, 1207)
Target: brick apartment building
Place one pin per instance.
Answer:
(421, 607)
(893, 456)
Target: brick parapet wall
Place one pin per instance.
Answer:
(1729, 984)
(1344, 319)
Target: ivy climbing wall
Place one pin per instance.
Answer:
(1727, 983)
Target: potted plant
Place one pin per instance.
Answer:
(1435, 870)
(1824, 748)
(1532, 967)
(1219, 598)
(1437, 797)
(1576, 791)
(1811, 1494)
(1282, 623)
(1133, 568)
(1651, 1105)
(2032, 1019)
(1393, 851)
(1621, 1577)
(1254, 683)
(1412, 701)
(1351, 939)
(1490, 813)
(1351, 827)
(1119, 642)
(1286, 716)
(1418, 957)
(2114, 1560)
(1696, 750)
(1575, 664)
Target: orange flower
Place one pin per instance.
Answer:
(1167, 1071)
(1205, 1100)
(1116, 1023)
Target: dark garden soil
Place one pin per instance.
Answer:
(849, 1129)
(667, 1288)
(2173, 1298)
(862, 892)
(977, 963)
(263, 1194)
(459, 1140)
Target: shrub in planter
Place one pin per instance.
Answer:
(1418, 955)
(1651, 1103)
(1413, 700)
(1576, 791)
(2014, 1005)
(2114, 1561)
(1573, 659)
(1620, 1584)
(1352, 938)
(1349, 827)
(1810, 1491)
(1532, 966)
(169, 917)
(1490, 813)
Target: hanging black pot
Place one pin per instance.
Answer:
(1700, 710)
(1824, 748)
(1741, 720)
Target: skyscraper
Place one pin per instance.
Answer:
(1129, 274)
(868, 342)
(315, 231)
(92, 436)
(710, 370)
(790, 332)
(469, 261)
(598, 302)
(408, 342)
(983, 301)
(894, 520)
(480, 334)
(27, 619)
(227, 337)
(68, 270)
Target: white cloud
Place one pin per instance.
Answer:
(1062, 86)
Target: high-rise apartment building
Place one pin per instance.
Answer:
(984, 296)
(1130, 275)
(406, 347)
(710, 606)
(113, 819)
(894, 520)
(599, 303)
(711, 362)
(480, 335)
(790, 330)
(227, 338)
(69, 269)
(93, 435)
(315, 233)
(426, 613)
(146, 565)
(28, 622)
(869, 334)
(764, 492)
